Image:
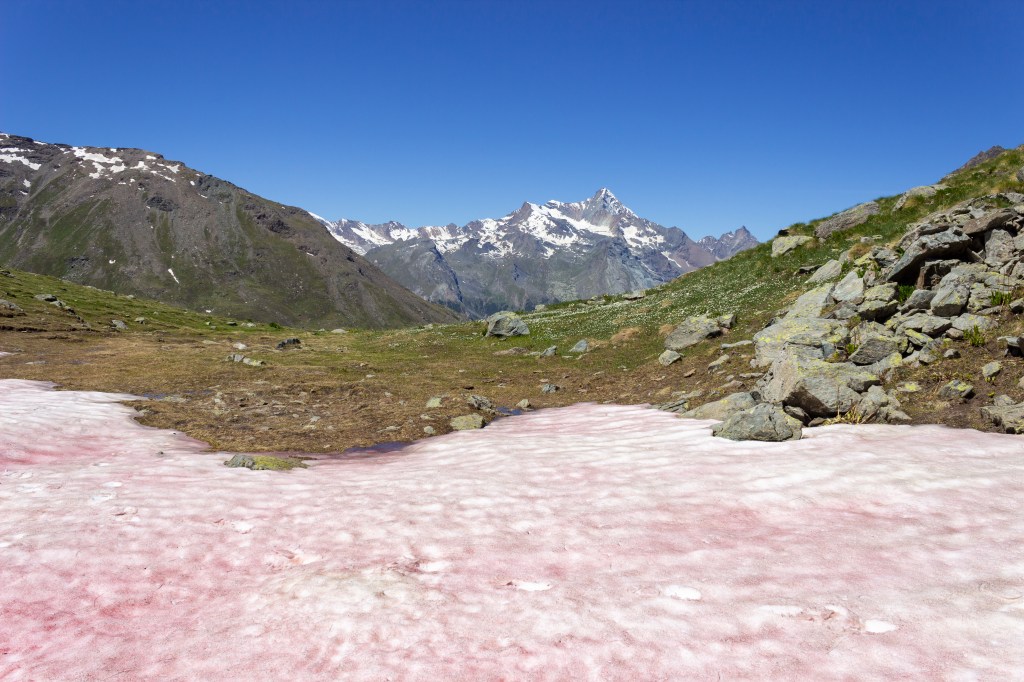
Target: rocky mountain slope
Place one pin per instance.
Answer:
(538, 254)
(133, 222)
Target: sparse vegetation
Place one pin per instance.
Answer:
(975, 337)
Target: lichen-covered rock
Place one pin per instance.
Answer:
(466, 422)
(969, 321)
(811, 303)
(829, 270)
(991, 220)
(991, 370)
(850, 218)
(874, 342)
(929, 325)
(821, 389)
(1009, 417)
(762, 422)
(722, 409)
(814, 334)
(999, 248)
(850, 289)
(668, 357)
(783, 245)
(265, 463)
(692, 331)
(505, 324)
(956, 390)
(921, 299)
(719, 363)
(925, 191)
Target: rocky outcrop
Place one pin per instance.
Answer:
(783, 245)
(845, 220)
(505, 324)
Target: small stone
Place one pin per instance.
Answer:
(118, 324)
(764, 422)
(429, 430)
(549, 352)
(239, 346)
(467, 422)
(668, 357)
(581, 347)
(524, 404)
(951, 354)
(478, 402)
(140, 320)
(339, 330)
(548, 388)
(718, 364)
(957, 390)
(289, 343)
(434, 402)
(909, 387)
(991, 370)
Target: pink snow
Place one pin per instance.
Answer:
(587, 542)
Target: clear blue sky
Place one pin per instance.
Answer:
(704, 115)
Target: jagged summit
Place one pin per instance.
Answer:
(539, 253)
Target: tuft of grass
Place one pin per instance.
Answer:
(903, 292)
(975, 337)
(852, 417)
(1000, 298)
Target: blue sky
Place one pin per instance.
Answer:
(704, 115)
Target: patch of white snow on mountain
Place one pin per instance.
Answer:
(8, 157)
(173, 275)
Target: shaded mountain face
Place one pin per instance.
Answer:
(133, 222)
(540, 253)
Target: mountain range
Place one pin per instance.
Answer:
(134, 222)
(538, 254)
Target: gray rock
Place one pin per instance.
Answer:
(917, 338)
(253, 363)
(524, 404)
(850, 218)
(826, 272)
(737, 344)
(289, 343)
(549, 388)
(951, 354)
(718, 364)
(925, 191)
(929, 325)
(814, 334)
(140, 320)
(821, 389)
(118, 324)
(877, 310)
(850, 289)
(505, 324)
(957, 390)
(950, 301)
(999, 248)
(339, 330)
(49, 298)
(549, 352)
(968, 321)
(6, 305)
(762, 422)
(581, 347)
(429, 430)
(1009, 417)
(478, 402)
(991, 220)
(467, 422)
(991, 370)
(881, 292)
(692, 331)
(874, 343)
(783, 245)
(668, 357)
(921, 299)
(434, 402)
(726, 321)
(721, 409)
(951, 242)
(634, 295)
(811, 303)
(877, 257)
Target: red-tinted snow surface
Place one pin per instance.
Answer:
(589, 542)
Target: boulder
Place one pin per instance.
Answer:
(878, 257)
(850, 289)
(951, 242)
(668, 357)
(783, 245)
(762, 422)
(722, 409)
(921, 299)
(877, 310)
(999, 248)
(633, 296)
(968, 321)
(549, 352)
(815, 335)
(289, 343)
(850, 218)
(929, 325)
(1009, 417)
(924, 191)
(991, 220)
(118, 325)
(718, 364)
(950, 301)
(692, 331)
(505, 324)
(826, 272)
(811, 303)
(581, 347)
(874, 343)
(819, 388)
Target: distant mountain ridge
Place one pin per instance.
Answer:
(538, 254)
(133, 222)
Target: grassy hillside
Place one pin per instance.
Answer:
(341, 390)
